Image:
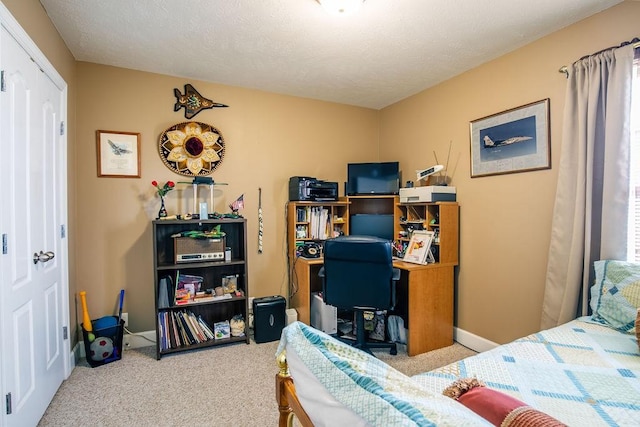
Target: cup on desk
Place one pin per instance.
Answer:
(218, 291)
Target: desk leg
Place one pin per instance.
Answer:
(301, 299)
(430, 309)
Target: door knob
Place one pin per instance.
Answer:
(43, 256)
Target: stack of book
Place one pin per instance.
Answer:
(318, 219)
(182, 328)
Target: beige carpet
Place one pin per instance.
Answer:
(230, 385)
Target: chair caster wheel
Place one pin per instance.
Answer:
(393, 351)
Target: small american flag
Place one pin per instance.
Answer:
(238, 204)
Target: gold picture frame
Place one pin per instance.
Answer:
(118, 154)
(516, 140)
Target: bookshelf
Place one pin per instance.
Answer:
(199, 322)
(315, 222)
(439, 217)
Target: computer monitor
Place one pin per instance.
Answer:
(373, 178)
(371, 225)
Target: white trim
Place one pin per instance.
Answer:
(28, 45)
(23, 39)
(136, 339)
(473, 341)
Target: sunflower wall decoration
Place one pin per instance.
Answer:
(191, 148)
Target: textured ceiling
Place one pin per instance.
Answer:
(389, 50)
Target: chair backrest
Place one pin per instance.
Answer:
(358, 272)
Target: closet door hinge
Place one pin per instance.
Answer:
(63, 232)
(3, 88)
(61, 128)
(4, 244)
(65, 333)
(8, 400)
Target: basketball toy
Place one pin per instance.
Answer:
(101, 348)
(86, 319)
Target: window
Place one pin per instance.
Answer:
(634, 204)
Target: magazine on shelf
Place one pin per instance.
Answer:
(187, 285)
(419, 248)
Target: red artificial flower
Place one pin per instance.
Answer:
(162, 191)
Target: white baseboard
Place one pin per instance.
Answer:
(473, 341)
(139, 339)
(78, 352)
(72, 360)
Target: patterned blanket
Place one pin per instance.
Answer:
(581, 373)
(374, 392)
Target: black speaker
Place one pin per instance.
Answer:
(268, 318)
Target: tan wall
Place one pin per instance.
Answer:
(34, 20)
(505, 220)
(268, 138)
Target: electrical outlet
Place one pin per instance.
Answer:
(125, 317)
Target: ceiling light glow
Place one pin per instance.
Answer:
(341, 7)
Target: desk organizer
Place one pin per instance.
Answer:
(106, 347)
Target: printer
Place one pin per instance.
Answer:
(308, 189)
(429, 193)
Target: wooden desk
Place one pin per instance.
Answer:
(424, 295)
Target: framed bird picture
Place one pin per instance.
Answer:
(118, 154)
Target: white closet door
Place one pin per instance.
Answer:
(33, 362)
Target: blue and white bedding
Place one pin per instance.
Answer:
(582, 373)
(340, 385)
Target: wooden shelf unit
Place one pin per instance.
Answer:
(212, 271)
(425, 292)
(300, 223)
(441, 217)
(376, 205)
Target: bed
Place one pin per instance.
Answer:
(583, 373)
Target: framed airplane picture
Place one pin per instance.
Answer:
(515, 140)
(118, 154)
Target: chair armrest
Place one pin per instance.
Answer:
(396, 274)
(321, 272)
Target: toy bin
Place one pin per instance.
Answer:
(106, 346)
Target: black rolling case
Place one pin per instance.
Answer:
(268, 318)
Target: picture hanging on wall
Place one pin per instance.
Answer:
(191, 148)
(118, 154)
(515, 140)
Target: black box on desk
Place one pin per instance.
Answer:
(268, 318)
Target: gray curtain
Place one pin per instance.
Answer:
(592, 196)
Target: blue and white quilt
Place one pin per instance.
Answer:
(582, 373)
(340, 385)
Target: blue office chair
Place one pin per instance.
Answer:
(358, 275)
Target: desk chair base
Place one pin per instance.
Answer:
(361, 341)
